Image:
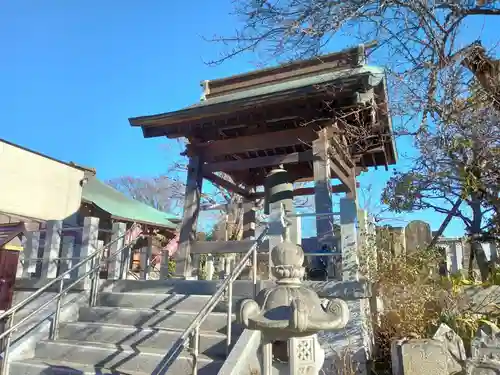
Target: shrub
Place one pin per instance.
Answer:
(416, 299)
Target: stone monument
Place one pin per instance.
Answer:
(293, 314)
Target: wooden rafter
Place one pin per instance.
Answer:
(257, 142)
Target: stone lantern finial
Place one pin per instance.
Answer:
(287, 263)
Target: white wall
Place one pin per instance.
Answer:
(37, 187)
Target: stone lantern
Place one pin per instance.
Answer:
(293, 314)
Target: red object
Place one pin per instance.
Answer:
(8, 270)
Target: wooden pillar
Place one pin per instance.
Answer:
(322, 192)
(191, 212)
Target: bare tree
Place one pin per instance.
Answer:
(163, 192)
(456, 164)
(415, 39)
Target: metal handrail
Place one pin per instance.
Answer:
(193, 330)
(94, 269)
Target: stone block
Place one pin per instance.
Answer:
(484, 367)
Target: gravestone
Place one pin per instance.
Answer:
(417, 235)
(419, 356)
(485, 348)
(444, 354)
(391, 238)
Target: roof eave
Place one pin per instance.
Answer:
(212, 110)
(173, 227)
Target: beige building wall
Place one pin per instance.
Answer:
(36, 186)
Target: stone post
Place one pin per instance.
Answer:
(146, 254)
(322, 192)
(494, 252)
(126, 257)
(68, 244)
(117, 242)
(362, 228)
(50, 261)
(209, 267)
(371, 230)
(275, 232)
(349, 239)
(294, 230)
(89, 246)
(32, 243)
(20, 264)
(195, 265)
(365, 253)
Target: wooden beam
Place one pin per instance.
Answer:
(342, 164)
(336, 189)
(283, 138)
(225, 184)
(231, 206)
(341, 151)
(265, 161)
(347, 179)
(187, 233)
(337, 159)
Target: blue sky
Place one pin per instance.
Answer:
(73, 72)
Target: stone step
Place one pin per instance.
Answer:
(123, 358)
(46, 367)
(241, 288)
(161, 301)
(215, 322)
(211, 344)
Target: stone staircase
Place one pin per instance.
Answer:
(132, 328)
